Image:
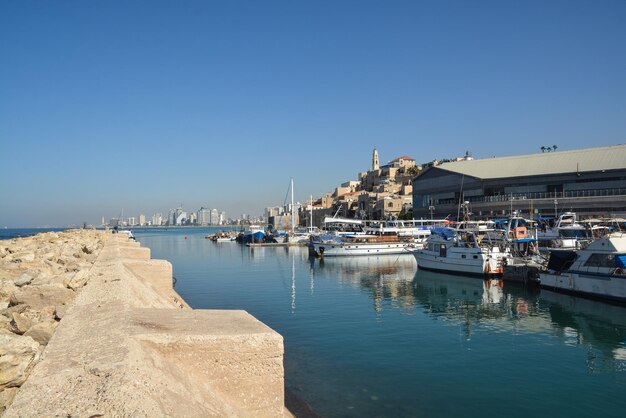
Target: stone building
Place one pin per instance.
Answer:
(364, 198)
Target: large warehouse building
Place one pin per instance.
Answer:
(591, 182)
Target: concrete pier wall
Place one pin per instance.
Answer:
(129, 345)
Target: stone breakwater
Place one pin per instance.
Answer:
(39, 278)
(91, 326)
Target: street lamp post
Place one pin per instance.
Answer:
(431, 209)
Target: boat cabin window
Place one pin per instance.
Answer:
(442, 250)
(574, 233)
(600, 260)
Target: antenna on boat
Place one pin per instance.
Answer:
(458, 213)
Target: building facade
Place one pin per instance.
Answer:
(591, 182)
(215, 217)
(204, 216)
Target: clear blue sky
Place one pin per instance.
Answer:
(140, 106)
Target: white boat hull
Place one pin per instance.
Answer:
(474, 263)
(590, 284)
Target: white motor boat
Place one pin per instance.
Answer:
(598, 270)
(464, 252)
(566, 234)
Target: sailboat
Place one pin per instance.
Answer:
(303, 234)
(282, 236)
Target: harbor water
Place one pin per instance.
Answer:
(375, 337)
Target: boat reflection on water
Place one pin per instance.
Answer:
(598, 325)
(354, 269)
(472, 302)
(491, 305)
(386, 277)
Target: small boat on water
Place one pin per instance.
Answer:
(598, 270)
(464, 252)
(222, 236)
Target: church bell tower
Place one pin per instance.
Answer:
(375, 162)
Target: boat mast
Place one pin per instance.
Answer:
(293, 216)
(311, 216)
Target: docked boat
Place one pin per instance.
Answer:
(303, 234)
(365, 244)
(253, 234)
(276, 237)
(415, 230)
(566, 234)
(452, 251)
(598, 270)
(342, 226)
(222, 236)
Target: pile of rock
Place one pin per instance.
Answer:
(39, 277)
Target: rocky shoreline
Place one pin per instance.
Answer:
(39, 279)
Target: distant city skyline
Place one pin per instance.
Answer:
(111, 106)
(174, 217)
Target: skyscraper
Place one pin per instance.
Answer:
(215, 217)
(204, 216)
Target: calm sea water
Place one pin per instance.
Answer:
(374, 337)
(10, 233)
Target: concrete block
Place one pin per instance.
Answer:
(225, 353)
(157, 273)
(135, 252)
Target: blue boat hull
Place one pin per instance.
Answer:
(255, 238)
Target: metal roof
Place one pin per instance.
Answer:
(556, 162)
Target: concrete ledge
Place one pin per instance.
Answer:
(233, 355)
(130, 346)
(135, 252)
(158, 275)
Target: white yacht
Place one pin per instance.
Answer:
(452, 251)
(598, 270)
(363, 244)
